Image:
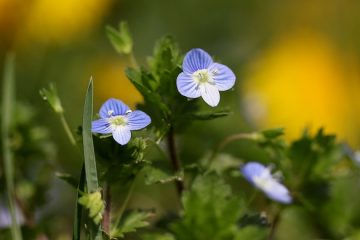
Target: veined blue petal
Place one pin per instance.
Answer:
(138, 120)
(223, 76)
(210, 94)
(278, 192)
(196, 59)
(122, 135)
(187, 86)
(101, 126)
(113, 107)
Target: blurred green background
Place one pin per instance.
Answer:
(297, 64)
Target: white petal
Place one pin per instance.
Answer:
(210, 94)
(122, 135)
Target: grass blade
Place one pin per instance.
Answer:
(78, 206)
(7, 109)
(92, 183)
(89, 153)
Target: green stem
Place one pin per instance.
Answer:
(252, 198)
(126, 201)
(7, 110)
(133, 61)
(230, 139)
(175, 162)
(67, 129)
(107, 213)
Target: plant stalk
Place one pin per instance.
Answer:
(175, 162)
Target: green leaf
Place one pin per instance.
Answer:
(157, 236)
(51, 97)
(156, 175)
(68, 178)
(120, 38)
(209, 115)
(211, 211)
(223, 162)
(89, 153)
(133, 221)
(8, 99)
(78, 206)
(95, 205)
(251, 232)
(273, 133)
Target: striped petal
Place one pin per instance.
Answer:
(196, 59)
(138, 120)
(101, 126)
(122, 135)
(187, 86)
(223, 76)
(113, 107)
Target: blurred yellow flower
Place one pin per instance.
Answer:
(51, 21)
(111, 82)
(301, 82)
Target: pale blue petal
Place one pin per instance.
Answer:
(113, 107)
(223, 76)
(278, 192)
(101, 126)
(210, 94)
(196, 59)
(122, 135)
(273, 189)
(187, 86)
(252, 169)
(138, 120)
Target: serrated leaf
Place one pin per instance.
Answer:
(120, 38)
(156, 175)
(210, 211)
(94, 204)
(133, 221)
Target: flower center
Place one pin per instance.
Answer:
(202, 76)
(118, 120)
(264, 183)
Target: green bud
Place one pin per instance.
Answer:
(120, 38)
(94, 204)
(50, 95)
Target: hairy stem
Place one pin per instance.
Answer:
(67, 129)
(126, 201)
(175, 162)
(107, 214)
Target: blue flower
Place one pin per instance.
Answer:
(260, 176)
(5, 216)
(203, 77)
(117, 119)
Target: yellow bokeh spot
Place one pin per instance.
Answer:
(59, 21)
(301, 82)
(111, 82)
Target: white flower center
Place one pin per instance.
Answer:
(202, 76)
(117, 121)
(262, 183)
